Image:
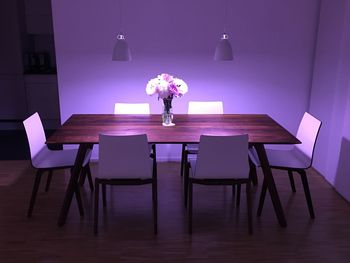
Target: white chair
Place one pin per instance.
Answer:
(199, 107)
(125, 160)
(132, 108)
(222, 160)
(46, 160)
(297, 158)
(135, 109)
(205, 107)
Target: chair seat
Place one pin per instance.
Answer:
(193, 163)
(292, 158)
(192, 148)
(47, 159)
(144, 175)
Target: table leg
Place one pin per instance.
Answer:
(73, 185)
(271, 186)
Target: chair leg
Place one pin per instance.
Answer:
(307, 192)
(252, 173)
(186, 178)
(155, 206)
(249, 208)
(183, 159)
(154, 165)
(89, 176)
(97, 188)
(79, 201)
(82, 176)
(262, 198)
(104, 197)
(291, 179)
(190, 201)
(155, 195)
(233, 192)
(34, 191)
(48, 182)
(154, 150)
(238, 199)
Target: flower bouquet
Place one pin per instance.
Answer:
(167, 87)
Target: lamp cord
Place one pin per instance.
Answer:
(226, 17)
(120, 16)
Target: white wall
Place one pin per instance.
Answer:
(330, 94)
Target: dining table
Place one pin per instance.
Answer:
(84, 130)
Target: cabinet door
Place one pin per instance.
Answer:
(12, 97)
(38, 16)
(12, 93)
(42, 97)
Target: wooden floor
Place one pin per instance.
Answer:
(220, 232)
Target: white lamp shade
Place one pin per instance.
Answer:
(121, 51)
(223, 50)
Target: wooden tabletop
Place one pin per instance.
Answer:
(85, 128)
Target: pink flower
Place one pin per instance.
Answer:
(167, 77)
(173, 89)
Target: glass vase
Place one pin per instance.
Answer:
(167, 115)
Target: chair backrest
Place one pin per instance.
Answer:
(124, 156)
(35, 134)
(221, 157)
(205, 107)
(307, 133)
(132, 108)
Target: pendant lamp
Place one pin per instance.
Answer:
(121, 50)
(223, 51)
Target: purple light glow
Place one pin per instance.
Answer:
(273, 55)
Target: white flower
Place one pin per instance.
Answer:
(151, 87)
(166, 85)
(162, 89)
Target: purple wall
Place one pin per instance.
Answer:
(330, 97)
(273, 43)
